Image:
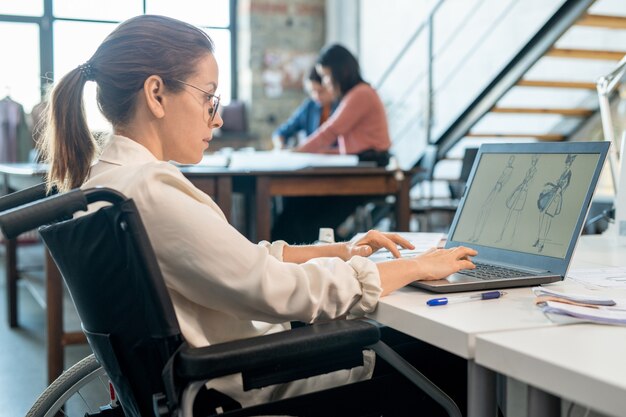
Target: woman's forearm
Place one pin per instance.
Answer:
(432, 264)
(397, 274)
(301, 254)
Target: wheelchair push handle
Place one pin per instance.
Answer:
(54, 208)
(34, 214)
(27, 195)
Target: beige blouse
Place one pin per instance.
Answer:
(224, 287)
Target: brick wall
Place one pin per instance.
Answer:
(278, 42)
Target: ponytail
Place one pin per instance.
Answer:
(136, 49)
(67, 144)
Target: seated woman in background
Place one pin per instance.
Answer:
(310, 115)
(162, 102)
(359, 125)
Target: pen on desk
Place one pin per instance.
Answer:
(442, 301)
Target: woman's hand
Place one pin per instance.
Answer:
(375, 240)
(439, 263)
(430, 265)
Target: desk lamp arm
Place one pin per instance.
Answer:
(605, 86)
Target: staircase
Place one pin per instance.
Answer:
(551, 98)
(542, 89)
(578, 111)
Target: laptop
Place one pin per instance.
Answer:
(523, 210)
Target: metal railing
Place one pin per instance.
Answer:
(447, 134)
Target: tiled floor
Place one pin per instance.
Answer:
(22, 350)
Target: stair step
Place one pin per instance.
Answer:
(544, 137)
(527, 110)
(602, 21)
(586, 54)
(557, 84)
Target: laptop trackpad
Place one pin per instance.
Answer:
(452, 279)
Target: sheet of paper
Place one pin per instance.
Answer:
(285, 160)
(421, 241)
(603, 277)
(592, 299)
(214, 160)
(607, 315)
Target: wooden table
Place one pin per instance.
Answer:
(260, 186)
(220, 183)
(16, 177)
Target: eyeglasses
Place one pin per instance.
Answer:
(211, 98)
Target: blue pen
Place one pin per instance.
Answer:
(474, 297)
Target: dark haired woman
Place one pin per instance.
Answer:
(157, 84)
(312, 113)
(359, 125)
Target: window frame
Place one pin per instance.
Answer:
(46, 40)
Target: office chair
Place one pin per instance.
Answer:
(427, 204)
(110, 269)
(422, 206)
(457, 187)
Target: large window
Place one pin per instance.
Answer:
(50, 37)
(97, 10)
(197, 12)
(19, 73)
(70, 51)
(22, 8)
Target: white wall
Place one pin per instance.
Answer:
(342, 23)
(473, 40)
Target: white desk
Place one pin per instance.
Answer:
(584, 363)
(601, 250)
(456, 327)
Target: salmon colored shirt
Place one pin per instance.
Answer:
(359, 124)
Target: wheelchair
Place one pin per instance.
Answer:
(141, 364)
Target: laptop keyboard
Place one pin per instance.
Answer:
(488, 272)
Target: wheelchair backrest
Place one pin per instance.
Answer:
(111, 271)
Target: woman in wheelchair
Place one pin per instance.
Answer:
(157, 82)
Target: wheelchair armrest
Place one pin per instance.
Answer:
(300, 346)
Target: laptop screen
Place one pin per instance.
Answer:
(526, 202)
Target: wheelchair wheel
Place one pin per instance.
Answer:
(83, 388)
